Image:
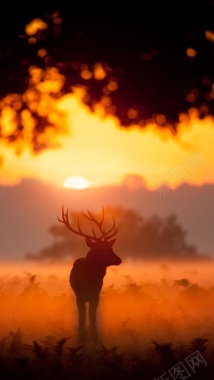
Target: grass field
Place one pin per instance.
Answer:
(151, 317)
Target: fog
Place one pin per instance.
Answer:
(140, 303)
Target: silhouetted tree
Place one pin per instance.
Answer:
(138, 238)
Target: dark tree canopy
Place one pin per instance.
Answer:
(157, 56)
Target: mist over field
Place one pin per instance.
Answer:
(151, 316)
(140, 302)
(153, 312)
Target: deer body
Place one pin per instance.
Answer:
(86, 277)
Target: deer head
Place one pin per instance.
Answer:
(101, 246)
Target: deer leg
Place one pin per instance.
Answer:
(82, 316)
(92, 315)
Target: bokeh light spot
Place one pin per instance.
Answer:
(99, 72)
(190, 52)
(34, 26)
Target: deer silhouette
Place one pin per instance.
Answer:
(86, 277)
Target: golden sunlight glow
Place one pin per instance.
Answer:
(76, 182)
(39, 99)
(96, 145)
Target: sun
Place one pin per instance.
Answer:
(76, 182)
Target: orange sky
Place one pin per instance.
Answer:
(101, 151)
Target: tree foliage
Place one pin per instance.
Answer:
(134, 60)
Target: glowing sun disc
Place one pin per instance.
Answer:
(76, 182)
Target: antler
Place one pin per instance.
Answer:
(65, 220)
(105, 234)
(112, 231)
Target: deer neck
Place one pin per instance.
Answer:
(98, 266)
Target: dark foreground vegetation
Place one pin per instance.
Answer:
(56, 359)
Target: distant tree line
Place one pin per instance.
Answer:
(137, 238)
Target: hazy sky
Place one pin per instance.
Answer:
(31, 207)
